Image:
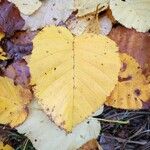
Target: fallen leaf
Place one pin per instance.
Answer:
(19, 72)
(13, 100)
(10, 19)
(91, 145)
(52, 12)
(132, 14)
(85, 7)
(50, 136)
(72, 75)
(19, 45)
(132, 88)
(5, 147)
(27, 7)
(135, 44)
(80, 25)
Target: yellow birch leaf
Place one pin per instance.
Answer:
(132, 88)
(27, 7)
(5, 147)
(13, 102)
(85, 7)
(132, 13)
(72, 75)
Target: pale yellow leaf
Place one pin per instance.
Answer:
(132, 89)
(27, 7)
(52, 12)
(13, 102)
(85, 7)
(132, 13)
(72, 75)
(44, 134)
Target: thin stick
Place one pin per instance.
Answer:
(114, 121)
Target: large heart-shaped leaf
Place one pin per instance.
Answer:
(72, 75)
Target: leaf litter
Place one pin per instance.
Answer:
(130, 129)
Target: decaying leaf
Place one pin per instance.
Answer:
(19, 45)
(132, 14)
(80, 25)
(27, 7)
(132, 88)
(50, 136)
(19, 72)
(10, 19)
(135, 44)
(72, 75)
(91, 145)
(5, 147)
(85, 7)
(52, 12)
(13, 102)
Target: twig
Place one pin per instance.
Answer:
(114, 121)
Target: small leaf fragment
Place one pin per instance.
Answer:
(132, 89)
(5, 147)
(1, 35)
(27, 7)
(13, 102)
(132, 13)
(76, 73)
(91, 145)
(2, 54)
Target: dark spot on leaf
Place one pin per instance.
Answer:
(120, 79)
(137, 92)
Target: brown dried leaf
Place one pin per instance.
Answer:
(19, 45)
(10, 19)
(135, 44)
(19, 72)
(91, 145)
